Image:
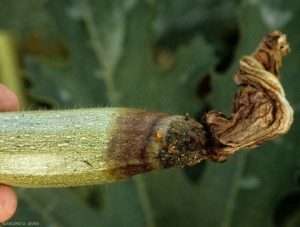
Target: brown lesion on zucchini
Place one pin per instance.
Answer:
(146, 141)
(129, 151)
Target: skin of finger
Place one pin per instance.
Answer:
(8, 202)
(8, 100)
(8, 198)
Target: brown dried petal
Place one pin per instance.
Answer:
(260, 110)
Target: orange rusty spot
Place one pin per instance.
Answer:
(160, 138)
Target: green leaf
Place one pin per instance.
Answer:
(66, 83)
(58, 207)
(24, 17)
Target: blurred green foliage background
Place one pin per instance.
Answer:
(175, 56)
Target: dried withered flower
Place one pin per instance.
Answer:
(260, 111)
